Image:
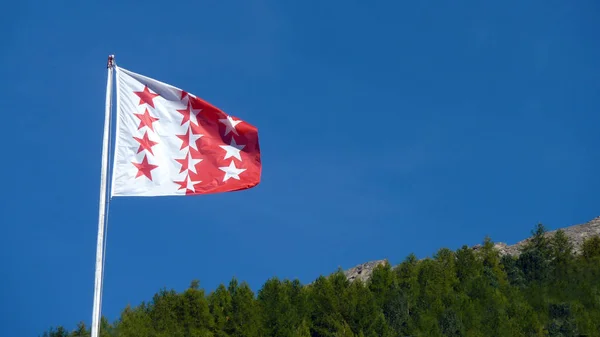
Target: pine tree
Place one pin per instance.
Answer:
(245, 318)
(561, 252)
(514, 274)
(467, 267)
(59, 331)
(561, 260)
(451, 324)
(279, 317)
(80, 331)
(197, 320)
(361, 307)
(407, 274)
(326, 316)
(298, 298)
(396, 311)
(303, 330)
(535, 256)
(591, 248)
(381, 282)
(562, 323)
(106, 328)
(219, 303)
(166, 314)
(539, 241)
(135, 322)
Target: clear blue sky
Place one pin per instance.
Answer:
(386, 127)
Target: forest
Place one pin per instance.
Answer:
(548, 290)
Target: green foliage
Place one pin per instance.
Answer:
(539, 241)
(547, 290)
(535, 257)
(80, 331)
(59, 331)
(281, 307)
(135, 322)
(244, 320)
(219, 303)
(381, 282)
(561, 249)
(303, 330)
(514, 274)
(562, 322)
(591, 248)
(451, 324)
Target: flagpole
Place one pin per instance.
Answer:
(102, 205)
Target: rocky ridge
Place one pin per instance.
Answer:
(577, 234)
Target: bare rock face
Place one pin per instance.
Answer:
(363, 272)
(576, 234)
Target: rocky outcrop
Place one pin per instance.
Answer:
(577, 234)
(363, 272)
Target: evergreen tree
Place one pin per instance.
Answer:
(245, 318)
(279, 317)
(561, 260)
(136, 322)
(299, 299)
(591, 248)
(539, 241)
(561, 253)
(381, 282)
(326, 316)
(396, 311)
(451, 324)
(362, 309)
(535, 256)
(80, 331)
(166, 314)
(106, 329)
(562, 323)
(514, 274)
(489, 298)
(59, 331)
(408, 283)
(197, 320)
(467, 268)
(303, 330)
(219, 303)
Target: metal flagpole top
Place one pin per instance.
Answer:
(111, 61)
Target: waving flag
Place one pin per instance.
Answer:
(168, 142)
(171, 142)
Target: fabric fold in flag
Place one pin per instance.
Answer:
(171, 142)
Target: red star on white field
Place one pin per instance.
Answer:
(188, 184)
(189, 139)
(146, 120)
(189, 163)
(144, 168)
(145, 143)
(146, 96)
(189, 114)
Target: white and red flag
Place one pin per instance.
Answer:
(170, 142)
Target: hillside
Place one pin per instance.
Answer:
(576, 234)
(545, 286)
